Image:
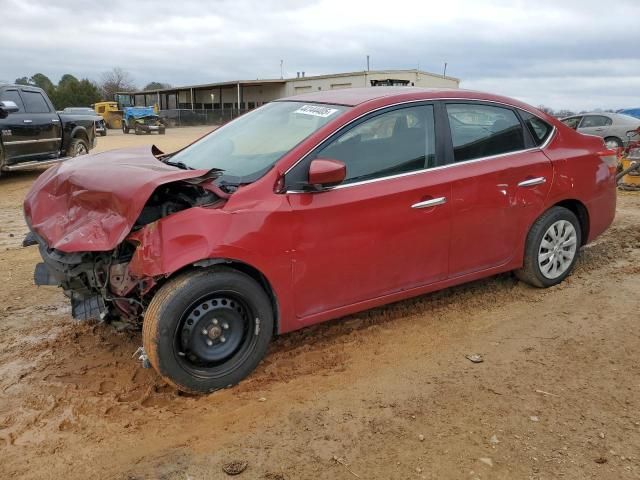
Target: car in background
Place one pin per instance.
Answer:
(33, 134)
(142, 120)
(612, 127)
(310, 208)
(101, 128)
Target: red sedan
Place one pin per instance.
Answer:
(311, 208)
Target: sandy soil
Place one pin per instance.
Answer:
(386, 394)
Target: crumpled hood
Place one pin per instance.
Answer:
(90, 203)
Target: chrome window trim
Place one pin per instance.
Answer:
(423, 170)
(41, 140)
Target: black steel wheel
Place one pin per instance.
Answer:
(208, 330)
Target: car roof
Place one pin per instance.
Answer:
(622, 117)
(352, 97)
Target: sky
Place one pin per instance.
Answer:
(564, 54)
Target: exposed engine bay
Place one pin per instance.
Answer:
(100, 284)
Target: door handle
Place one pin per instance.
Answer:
(532, 182)
(27, 121)
(55, 120)
(432, 202)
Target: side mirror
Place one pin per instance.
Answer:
(7, 107)
(326, 172)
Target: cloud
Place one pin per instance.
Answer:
(570, 54)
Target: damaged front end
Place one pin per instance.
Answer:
(86, 234)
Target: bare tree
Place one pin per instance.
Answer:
(116, 80)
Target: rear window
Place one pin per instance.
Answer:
(479, 130)
(14, 96)
(539, 129)
(35, 102)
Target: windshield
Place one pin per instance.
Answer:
(250, 145)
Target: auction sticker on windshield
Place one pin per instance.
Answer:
(316, 110)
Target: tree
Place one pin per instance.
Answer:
(156, 86)
(42, 81)
(72, 92)
(22, 81)
(116, 80)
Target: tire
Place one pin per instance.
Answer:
(125, 129)
(549, 263)
(613, 142)
(77, 146)
(161, 131)
(137, 131)
(185, 326)
(103, 133)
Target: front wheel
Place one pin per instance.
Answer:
(125, 129)
(551, 249)
(208, 330)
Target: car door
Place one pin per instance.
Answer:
(42, 125)
(595, 125)
(14, 131)
(385, 228)
(499, 184)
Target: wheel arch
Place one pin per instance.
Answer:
(245, 268)
(579, 209)
(77, 132)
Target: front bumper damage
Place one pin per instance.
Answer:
(92, 281)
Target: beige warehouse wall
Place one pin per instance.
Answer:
(363, 79)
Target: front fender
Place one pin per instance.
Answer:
(256, 237)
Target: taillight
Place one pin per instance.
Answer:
(610, 158)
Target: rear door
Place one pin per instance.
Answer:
(14, 130)
(501, 179)
(42, 125)
(386, 228)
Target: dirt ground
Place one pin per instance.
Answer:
(385, 394)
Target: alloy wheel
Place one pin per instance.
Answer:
(81, 149)
(557, 249)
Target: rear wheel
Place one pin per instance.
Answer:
(208, 330)
(552, 247)
(77, 147)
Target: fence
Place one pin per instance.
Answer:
(187, 117)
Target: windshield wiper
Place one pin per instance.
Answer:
(182, 165)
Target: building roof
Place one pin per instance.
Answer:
(285, 80)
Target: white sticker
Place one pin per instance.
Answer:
(316, 110)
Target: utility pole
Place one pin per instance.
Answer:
(367, 63)
(444, 72)
(281, 69)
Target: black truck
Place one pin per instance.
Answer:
(33, 134)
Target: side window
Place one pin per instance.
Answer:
(539, 129)
(14, 96)
(35, 102)
(394, 142)
(101, 109)
(595, 121)
(481, 131)
(572, 122)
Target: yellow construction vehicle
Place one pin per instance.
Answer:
(629, 177)
(110, 112)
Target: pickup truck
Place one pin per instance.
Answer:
(33, 134)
